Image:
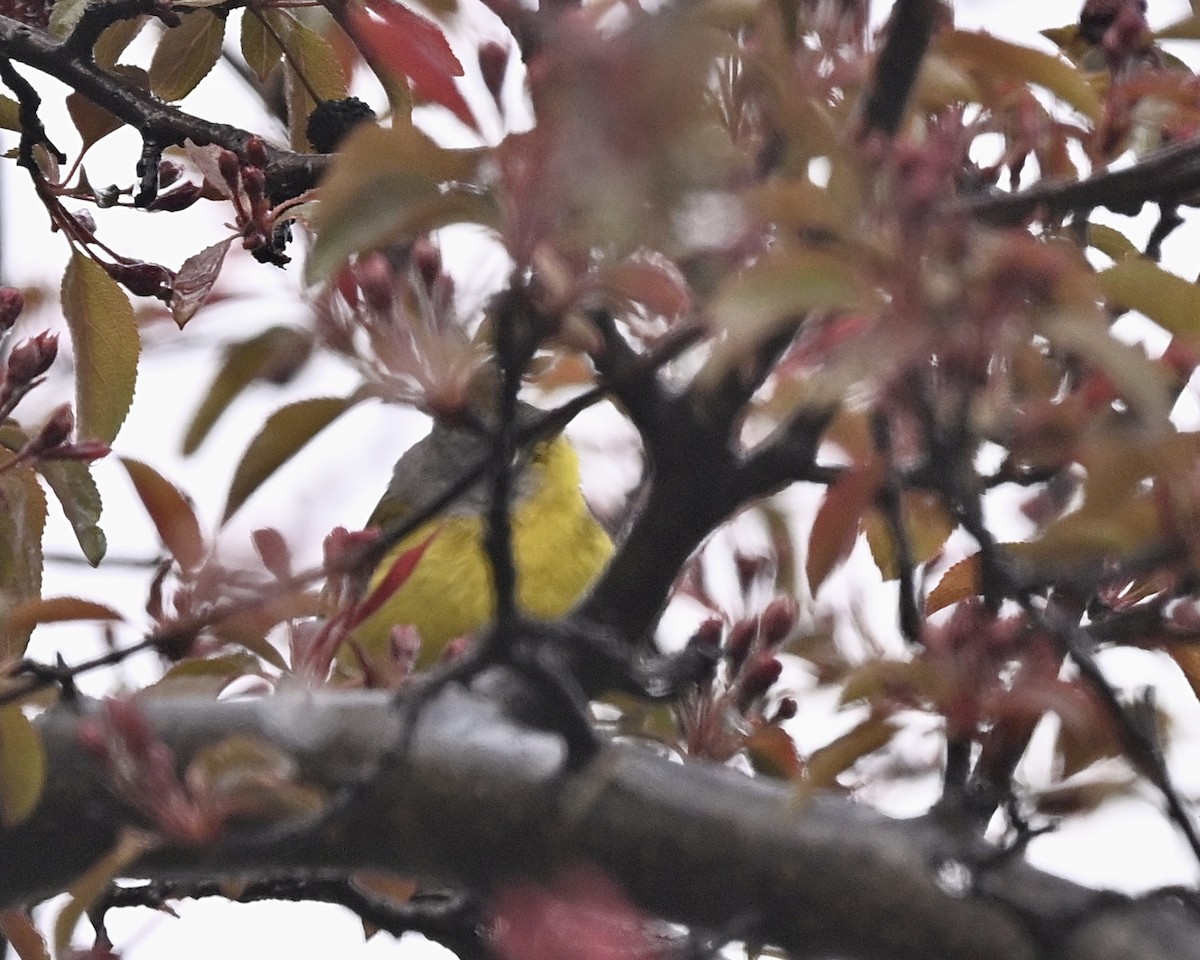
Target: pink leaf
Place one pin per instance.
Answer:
(195, 280)
(413, 46)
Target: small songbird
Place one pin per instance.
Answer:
(438, 578)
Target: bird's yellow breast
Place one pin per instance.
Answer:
(558, 546)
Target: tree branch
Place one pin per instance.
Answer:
(480, 800)
(288, 174)
(1165, 175)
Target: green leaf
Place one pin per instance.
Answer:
(22, 766)
(826, 763)
(995, 57)
(186, 54)
(313, 58)
(171, 513)
(1169, 300)
(286, 431)
(1142, 383)
(22, 520)
(87, 888)
(115, 38)
(927, 526)
(1110, 242)
(389, 185)
(72, 483)
(257, 358)
(10, 114)
(782, 286)
(259, 49)
(64, 15)
(104, 334)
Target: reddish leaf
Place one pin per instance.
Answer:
(958, 583)
(29, 613)
(17, 927)
(773, 753)
(413, 46)
(195, 280)
(400, 570)
(836, 526)
(172, 515)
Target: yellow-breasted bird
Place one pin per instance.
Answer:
(438, 578)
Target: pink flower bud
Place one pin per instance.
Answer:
(708, 634)
(31, 358)
(376, 282)
(12, 302)
(54, 433)
(493, 65)
(142, 279)
(230, 167)
(168, 172)
(256, 153)
(182, 197)
(758, 679)
(778, 620)
(785, 710)
(737, 644)
(255, 183)
(427, 259)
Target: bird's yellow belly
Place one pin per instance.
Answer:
(559, 549)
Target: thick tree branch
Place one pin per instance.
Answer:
(911, 25)
(1165, 175)
(481, 800)
(288, 174)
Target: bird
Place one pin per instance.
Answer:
(438, 578)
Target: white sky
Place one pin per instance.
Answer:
(1126, 845)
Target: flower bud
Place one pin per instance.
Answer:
(493, 65)
(758, 679)
(426, 258)
(230, 167)
(168, 172)
(785, 710)
(273, 551)
(54, 433)
(256, 152)
(12, 302)
(778, 620)
(180, 198)
(86, 222)
(738, 643)
(376, 282)
(708, 634)
(31, 358)
(255, 183)
(142, 279)
(749, 568)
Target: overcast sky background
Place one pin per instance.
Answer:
(1128, 845)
